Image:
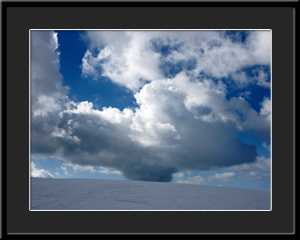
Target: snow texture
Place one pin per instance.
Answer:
(104, 194)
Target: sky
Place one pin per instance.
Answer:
(188, 106)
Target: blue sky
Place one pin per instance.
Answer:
(171, 106)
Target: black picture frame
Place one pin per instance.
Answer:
(19, 17)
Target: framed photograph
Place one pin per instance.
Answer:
(141, 119)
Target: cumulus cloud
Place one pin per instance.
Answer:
(266, 108)
(125, 58)
(39, 173)
(181, 121)
(260, 46)
(262, 78)
(130, 58)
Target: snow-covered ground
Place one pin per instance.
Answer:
(100, 194)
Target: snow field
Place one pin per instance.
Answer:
(104, 194)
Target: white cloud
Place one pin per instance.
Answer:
(262, 78)
(221, 57)
(268, 147)
(166, 99)
(47, 104)
(178, 175)
(257, 76)
(266, 108)
(223, 177)
(54, 43)
(65, 170)
(130, 58)
(245, 94)
(77, 167)
(128, 63)
(110, 114)
(109, 171)
(260, 46)
(39, 173)
(193, 180)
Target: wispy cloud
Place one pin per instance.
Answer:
(65, 170)
(77, 167)
(109, 171)
(223, 177)
(261, 164)
(198, 179)
(252, 175)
